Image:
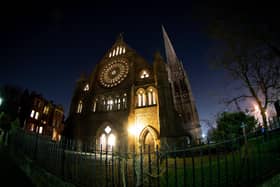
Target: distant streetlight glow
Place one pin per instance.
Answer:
(203, 135)
(1, 101)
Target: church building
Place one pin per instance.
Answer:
(129, 102)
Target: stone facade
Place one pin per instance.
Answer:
(127, 102)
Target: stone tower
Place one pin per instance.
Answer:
(181, 90)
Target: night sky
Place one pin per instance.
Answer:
(46, 47)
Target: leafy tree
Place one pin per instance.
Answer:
(229, 125)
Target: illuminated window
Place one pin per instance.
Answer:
(110, 54)
(151, 96)
(121, 50)
(141, 95)
(36, 115)
(80, 107)
(124, 102)
(103, 139)
(40, 130)
(94, 106)
(114, 52)
(111, 140)
(46, 110)
(119, 104)
(144, 74)
(86, 88)
(108, 129)
(32, 113)
(32, 127)
(109, 104)
(117, 51)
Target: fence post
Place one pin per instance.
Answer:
(158, 177)
(149, 165)
(175, 168)
(166, 167)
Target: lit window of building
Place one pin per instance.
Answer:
(46, 110)
(151, 96)
(110, 54)
(141, 95)
(94, 106)
(86, 88)
(111, 140)
(144, 74)
(40, 130)
(117, 51)
(32, 114)
(36, 115)
(80, 107)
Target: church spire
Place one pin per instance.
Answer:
(171, 56)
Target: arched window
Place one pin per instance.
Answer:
(119, 104)
(151, 96)
(80, 107)
(141, 97)
(124, 101)
(109, 104)
(107, 138)
(94, 108)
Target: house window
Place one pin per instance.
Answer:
(80, 107)
(32, 114)
(36, 115)
(40, 130)
(46, 110)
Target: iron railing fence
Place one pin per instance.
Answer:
(229, 163)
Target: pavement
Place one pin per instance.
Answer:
(10, 173)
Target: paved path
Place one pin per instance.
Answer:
(10, 173)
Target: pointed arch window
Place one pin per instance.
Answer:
(80, 107)
(119, 104)
(141, 98)
(152, 96)
(124, 102)
(109, 104)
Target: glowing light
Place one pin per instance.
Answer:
(36, 115)
(135, 129)
(1, 101)
(107, 129)
(203, 135)
(111, 140)
(40, 130)
(32, 113)
(86, 88)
